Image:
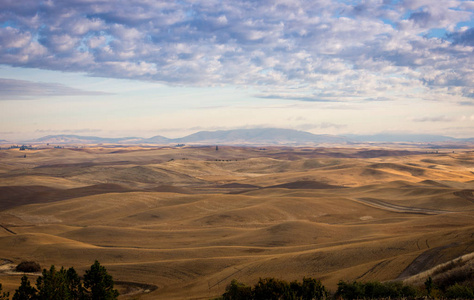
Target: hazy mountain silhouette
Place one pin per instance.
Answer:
(257, 136)
(78, 139)
(261, 136)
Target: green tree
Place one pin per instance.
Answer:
(74, 284)
(53, 285)
(98, 284)
(296, 289)
(237, 291)
(313, 289)
(3, 295)
(271, 289)
(25, 291)
(350, 291)
(59, 285)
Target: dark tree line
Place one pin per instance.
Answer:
(62, 284)
(312, 289)
(97, 284)
(275, 289)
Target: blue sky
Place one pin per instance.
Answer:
(142, 68)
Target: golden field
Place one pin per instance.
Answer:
(181, 223)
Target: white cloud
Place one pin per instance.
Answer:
(26, 90)
(328, 50)
(62, 43)
(96, 41)
(11, 38)
(436, 119)
(129, 69)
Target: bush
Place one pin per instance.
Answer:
(408, 291)
(349, 291)
(237, 291)
(276, 289)
(28, 267)
(374, 290)
(271, 289)
(313, 289)
(458, 291)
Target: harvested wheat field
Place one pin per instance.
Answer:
(181, 223)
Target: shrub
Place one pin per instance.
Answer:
(408, 291)
(270, 289)
(237, 291)
(374, 290)
(458, 291)
(349, 291)
(313, 289)
(28, 267)
(276, 289)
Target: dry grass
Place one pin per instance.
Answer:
(189, 220)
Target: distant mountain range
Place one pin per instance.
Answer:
(260, 136)
(263, 136)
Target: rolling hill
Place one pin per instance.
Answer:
(186, 221)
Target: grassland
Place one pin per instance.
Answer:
(179, 223)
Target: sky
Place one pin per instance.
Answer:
(116, 68)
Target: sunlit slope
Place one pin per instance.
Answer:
(190, 220)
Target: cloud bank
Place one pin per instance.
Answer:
(301, 50)
(12, 89)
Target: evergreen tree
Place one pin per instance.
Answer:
(74, 284)
(98, 284)
(53, 285)
(25, 291)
